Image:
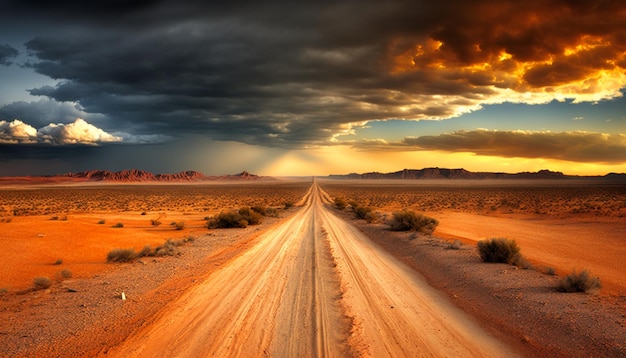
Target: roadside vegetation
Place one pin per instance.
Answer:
(241, 218)
(169, 248)
(579, 282)
(407, 220)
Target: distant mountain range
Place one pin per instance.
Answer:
(443, 173)
(130, 176)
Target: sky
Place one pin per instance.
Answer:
(319, 87)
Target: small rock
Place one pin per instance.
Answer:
(71, 290)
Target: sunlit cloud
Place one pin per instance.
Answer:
(576, 146)
(17, 132)
(76, 132)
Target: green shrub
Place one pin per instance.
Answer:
(340, 203)
(121, 255)
(498, 250)
(407, 220)
(579, 282)
(42, 282)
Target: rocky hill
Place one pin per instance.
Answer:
(443, 173)
(130, 176)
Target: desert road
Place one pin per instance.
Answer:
(312, 286)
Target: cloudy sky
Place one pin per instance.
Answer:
(312, 87)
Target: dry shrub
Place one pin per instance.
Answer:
(251, 216)
(579, 282)
(408, 220)
(42, 283)
(340, 203)
(179, 225)
(498, 250)
(228, 219)
(121, 255)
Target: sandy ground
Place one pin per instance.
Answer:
(283, 298)
(309, 284)
(597, 245)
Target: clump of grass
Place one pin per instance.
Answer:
(407, 220)
(499, 250)
(63, 275)
(121, 255)
(455, 245)
(227, 219)
(3, 290)
(550, 271)
(579, 282)
(340, 203)
(42, 283)
(288, 204)
(179, 225)
(155, 222)
(102, 222)
(118, 225)
(58, 262)
(364, 212)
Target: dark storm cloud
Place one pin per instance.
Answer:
(6, 53)
(284, 73)
(571, 146)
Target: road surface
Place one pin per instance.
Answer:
(313, 286)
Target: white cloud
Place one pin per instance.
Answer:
(16, 132)
(78, 132)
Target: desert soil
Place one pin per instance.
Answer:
(312, 284)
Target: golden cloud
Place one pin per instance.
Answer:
(578, 146)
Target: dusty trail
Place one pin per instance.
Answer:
(290, 296)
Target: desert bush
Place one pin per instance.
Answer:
(365, 212)
(408, 220)
(3, 290)
(102, 222)
(169, 248)
(251, 216)
(42, 282)
(146, 251)
(58, 262)
(550, 271)
(271, 212)
(579, 282)
(340, 203)
(65, 274)
(455, 245)
(119, 225)
(155, 222)
(227, 219)
(179, 225)
(121, 255)
(498, 250)
(262, 210)
(288, 204)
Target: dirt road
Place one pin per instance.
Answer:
(314, 286)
